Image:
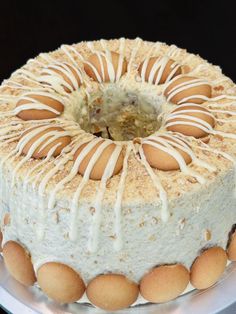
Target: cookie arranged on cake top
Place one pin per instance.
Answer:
(117, 173)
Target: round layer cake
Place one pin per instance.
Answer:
(118, 172)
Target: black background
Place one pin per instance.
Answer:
(204, 27)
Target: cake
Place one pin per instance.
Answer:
(117, 166)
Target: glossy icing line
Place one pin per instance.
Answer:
(118, 244)
(157, 183)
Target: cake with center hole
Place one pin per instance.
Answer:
(117, 167)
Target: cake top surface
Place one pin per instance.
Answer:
(81, 101)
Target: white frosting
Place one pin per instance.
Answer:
(105, 60)
(100, 236)
(163, 195)
(118, 204)
(185, 86)
(57, 80)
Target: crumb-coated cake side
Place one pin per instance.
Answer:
(117, 169)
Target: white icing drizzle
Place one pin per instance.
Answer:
(35, 178)
(51, 173)
(54, 81)
(110, 67)
(220, 97)
(36, 104)
(31, 78)
(98, 77)
(173, 51)
(58, 166)
(134, 51)
(6, 130)
(56, 97)
(194, 121)
(29, 175)
(96, 219)
(114, 77)
(185, 86)
(154, 49)
(9, 127)
(91, 46)
(46, 57)
(74, 171)
(45, 139)
(41, 64)
(223, 111)
(105, 59)
(103, 44)
(8, 156)
(158, 68)
(205, 98)
(8, 138)
(121, 59)
(196, 106)
(175, 67)
(205, 147)
(43, 208)
(217, 152)
(6, 133)
(118, 244)
(220, 105)
(168, 147)
(93, 160)
(190, 84)
(183, 145)
(157, 183)
(15, 85)
(57, 81)
(26, 75)
(66, 49)
(144, 70)
(189, 118)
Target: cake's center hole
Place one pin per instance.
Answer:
(121, 115)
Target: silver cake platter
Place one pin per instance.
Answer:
(17, 299)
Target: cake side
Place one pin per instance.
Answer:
(199, 219)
